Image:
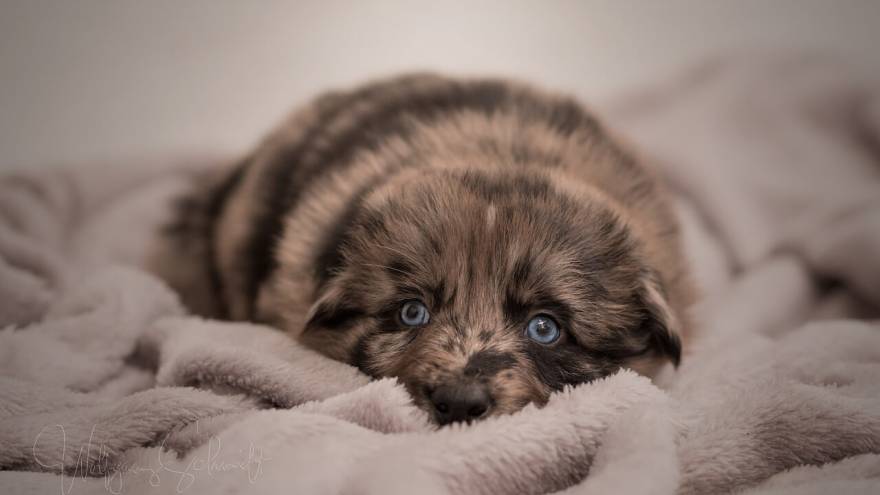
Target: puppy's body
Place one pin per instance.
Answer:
(487, 202)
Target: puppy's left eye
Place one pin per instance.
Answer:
(414, 314)
(543, 330)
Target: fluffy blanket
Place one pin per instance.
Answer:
(106, 385)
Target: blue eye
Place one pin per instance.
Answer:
(543, 330)
(414, 314)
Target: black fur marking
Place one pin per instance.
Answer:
(522, 270)
(493, 189)
(488, 363)
(660, 338)
(515, 309)
(438, 296)
(564, 115)
(213, 213)
(334, 318)
(358, 357)
(373, 223)
(329, 255)
(520, 152)
(435, 245)
(183, 224)
(283, 187)
(668, 344)
(567, 116)
(561, 364)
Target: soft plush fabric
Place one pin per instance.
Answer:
(106, 385)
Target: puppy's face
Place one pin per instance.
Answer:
(484, 292)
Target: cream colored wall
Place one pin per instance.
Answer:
(88, 79)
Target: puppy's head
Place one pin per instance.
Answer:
(483, 292)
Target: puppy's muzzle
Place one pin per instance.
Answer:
(463, 401)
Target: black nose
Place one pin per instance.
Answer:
(460, 402)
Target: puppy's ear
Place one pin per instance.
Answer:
(661, 326)
(330, 324)
(332, 311)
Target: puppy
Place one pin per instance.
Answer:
(484, 242)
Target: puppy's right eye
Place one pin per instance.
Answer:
(414, 314)
(543, 330)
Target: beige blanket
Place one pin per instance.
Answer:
(106, 386)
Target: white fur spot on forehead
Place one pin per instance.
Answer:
(491, 213)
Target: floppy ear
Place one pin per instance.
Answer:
(660, 325)
(330, 323)
(332, 311)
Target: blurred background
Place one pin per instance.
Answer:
(92, 80)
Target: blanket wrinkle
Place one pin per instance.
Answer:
(88, 439)
(639, 441)
(247, 358)
(88, 333)
(832, 478)
(38, 206)
(382, 406)
(107, 386)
